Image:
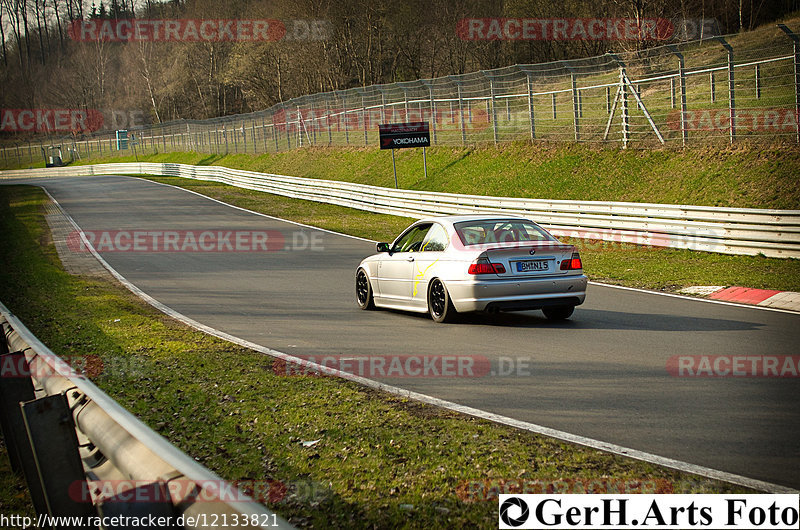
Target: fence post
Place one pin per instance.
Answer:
(530, 105)
(344, 119)
(626, 130)
(758, 81)
(731, 88)
(682, 80)
(364, 117)
(575, 110)
(458, 83)
(313, 123)
(713, 84)
(672, 97)
(328, 121)
(796, 41)
(494, 108)
(429, 85)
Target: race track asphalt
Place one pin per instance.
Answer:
(601, 374)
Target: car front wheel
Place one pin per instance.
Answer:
(440, 306)
(558, 312)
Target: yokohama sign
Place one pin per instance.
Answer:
(399, 135)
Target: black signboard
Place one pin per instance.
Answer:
(400, 135)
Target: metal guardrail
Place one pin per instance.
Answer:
(747, 231)
(64, 434)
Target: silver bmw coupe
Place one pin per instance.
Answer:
(457, 264)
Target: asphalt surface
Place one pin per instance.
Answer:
(602, 374)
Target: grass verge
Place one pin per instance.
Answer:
(745, 176)
(381, 461)
(622, 264)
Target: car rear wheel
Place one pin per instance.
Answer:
(440, 306)
(364, 291)
(558, 312)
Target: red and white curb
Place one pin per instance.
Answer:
(789, 300)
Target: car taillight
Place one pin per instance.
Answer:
(484, 266)
(573, 263)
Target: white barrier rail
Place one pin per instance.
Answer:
(85, 456)
(747, 231)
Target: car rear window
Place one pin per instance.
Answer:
(500, 231)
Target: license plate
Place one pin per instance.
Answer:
(532, 265)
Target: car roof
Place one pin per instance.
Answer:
(453, 219)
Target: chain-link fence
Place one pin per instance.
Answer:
(692, 94)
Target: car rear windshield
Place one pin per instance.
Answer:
(483, 232)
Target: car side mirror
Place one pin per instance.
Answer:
(383, 247)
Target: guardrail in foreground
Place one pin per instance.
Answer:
(62, 431)
(749, 231)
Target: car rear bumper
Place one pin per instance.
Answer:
(517, 295)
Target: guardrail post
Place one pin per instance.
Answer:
(54, 443)
(16, 387)
(796, 41)
(731, 88)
